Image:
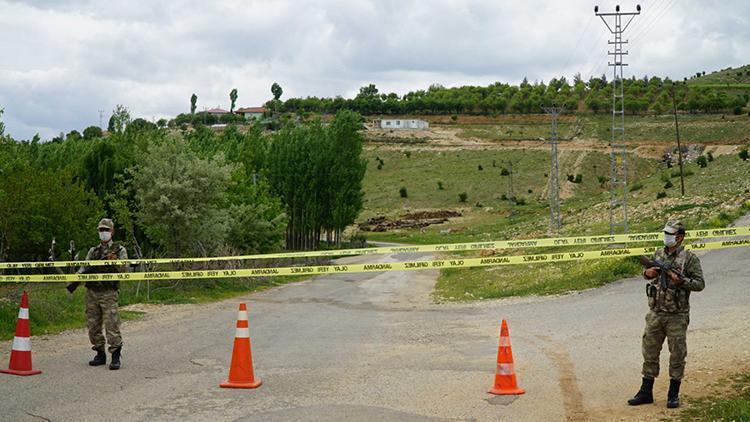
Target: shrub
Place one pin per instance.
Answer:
(661, 194)
(520, 201)
(710, 157)
(686, 173)
(531, 191)
(479, 167)
(601, 179)
(668, 184)
(462, 197)
(571, 178)
(380, 166)
(478, 205)
(636, 186)
(454, 117)
(440, 185)
(744, 155)
(579, 178)
(407, 154)
(494, 164)
(504, 197)
(402, 192)
(504, 172)
(701, 161)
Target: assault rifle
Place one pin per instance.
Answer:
(664, 268)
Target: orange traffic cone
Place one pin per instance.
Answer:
(505, 376)
(20, 355)
(241, 370)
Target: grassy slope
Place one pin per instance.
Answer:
(740, 75)
(714, 196)
(727, 128)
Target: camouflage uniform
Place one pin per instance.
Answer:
(101, 298)
(669, 313)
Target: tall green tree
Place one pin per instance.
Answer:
(233, 99)
(276, 91)
(193, 100)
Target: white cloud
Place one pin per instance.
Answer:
(65, 60)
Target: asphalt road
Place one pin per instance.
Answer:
(373, 347)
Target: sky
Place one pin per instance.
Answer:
(64, 61)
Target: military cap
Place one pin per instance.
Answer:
(106, 223)
(674, 227)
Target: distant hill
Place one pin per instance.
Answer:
(728, 76)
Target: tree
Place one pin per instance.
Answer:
(92, 132)
(193, 100)
(119, 120)
(178, 196)
(233, 99)
(276, 91)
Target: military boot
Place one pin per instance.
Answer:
(115, 364)
(100, 358)
(645, 395)
(673, 396)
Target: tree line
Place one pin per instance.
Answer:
(644, 95)
(194, 192)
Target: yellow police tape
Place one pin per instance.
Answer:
(443, 247)
(360, 268)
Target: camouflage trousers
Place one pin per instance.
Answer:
(674, 328)
(101, 308)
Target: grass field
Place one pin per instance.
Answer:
(694, 128)
(715, 196)
(728, 403)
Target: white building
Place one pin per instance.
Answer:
(403, 124)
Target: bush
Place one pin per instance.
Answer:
(571, 178)
(601, 179)
(531, 191)
(478, 205)
(407, 154)
(686, 173)
(380, 166)
(579, 178)
(744, 155)
(504, 197)
(668, 184)
(479, 167)
(440, 185)
(520, 201)
(462, 197)
(661, 194)
(701, 161)
(402, 192)
(710, 157)
(636, 186)
(504, 172)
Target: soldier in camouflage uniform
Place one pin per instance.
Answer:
(668, 295)
(101, 297)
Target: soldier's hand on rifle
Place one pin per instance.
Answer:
(652, 272)
(676, 280)
(112, 256)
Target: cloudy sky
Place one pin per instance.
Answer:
(63, 61)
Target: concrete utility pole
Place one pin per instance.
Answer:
(101, 119)
(554, 174)
(618, 185)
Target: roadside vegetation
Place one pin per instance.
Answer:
(730, 401)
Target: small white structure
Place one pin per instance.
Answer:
(403, 124)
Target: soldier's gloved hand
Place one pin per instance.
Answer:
(652, 272)
(112, 256)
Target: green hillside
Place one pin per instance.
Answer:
(729, 76)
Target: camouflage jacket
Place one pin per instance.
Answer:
(675, 299)
(100, 252)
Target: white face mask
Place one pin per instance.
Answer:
(105, 236)
(670, 240)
